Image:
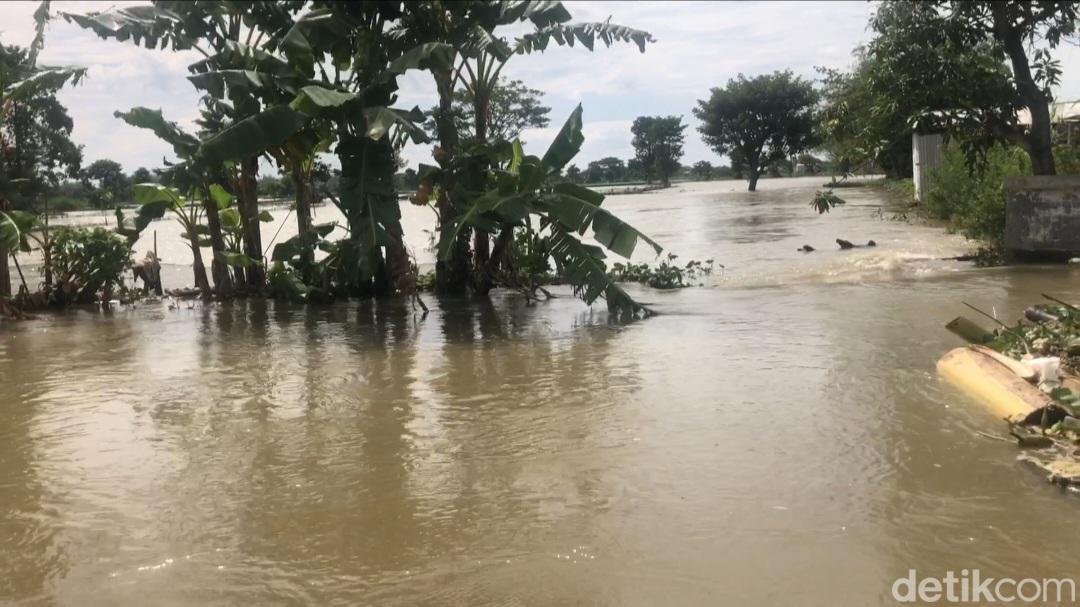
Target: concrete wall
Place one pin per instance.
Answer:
(1042, 215)
(925, 157)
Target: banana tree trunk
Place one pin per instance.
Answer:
(482, 282)
(248, 203)
(303, 206)
(451, 275)
(201, 282)
(218, 268)
(5, 272)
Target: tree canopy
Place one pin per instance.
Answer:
(760, 121)
(658, 145)
(513, 107)
(961, 48)
(36, 150)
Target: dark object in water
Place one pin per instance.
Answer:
(806, 248)
(847, 244)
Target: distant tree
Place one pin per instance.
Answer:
(635, 170)
(760, 120)
(142, 175)
(703, 170)
(513, 108)
(407, 180)
(110, 184)
(269, 186)
(605, 170)
(811, 164)
(573, 174)
(658, 144)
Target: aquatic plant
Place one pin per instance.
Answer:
(666, 275)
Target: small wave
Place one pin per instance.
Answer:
(846, 268)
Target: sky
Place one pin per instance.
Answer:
(699, 45)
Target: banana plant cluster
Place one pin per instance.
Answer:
(531, 194)
(306, 78)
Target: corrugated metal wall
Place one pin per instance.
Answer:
(925, 157)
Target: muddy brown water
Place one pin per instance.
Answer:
(776, 437)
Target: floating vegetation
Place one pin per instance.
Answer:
(667, 275)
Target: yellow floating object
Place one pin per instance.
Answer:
(991, 382)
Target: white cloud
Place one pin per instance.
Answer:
(699, 45)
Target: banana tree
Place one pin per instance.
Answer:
(208, 28)
(479, 56)
(155, 200)
(367, 131)
(530, 194)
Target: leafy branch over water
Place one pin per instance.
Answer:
(825, 201)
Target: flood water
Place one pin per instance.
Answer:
(778, 437)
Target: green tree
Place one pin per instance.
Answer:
(142, 175)
(605, 170)
(32, 154)
(658, 144)
(573, 174)
(110, 183)
(1023, 34)
(513, 107)
(35, 136)
(214, 29)
(479, 52)
(703, 170)
(887, 97)
(759, 121)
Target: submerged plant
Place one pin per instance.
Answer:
(87, 262)
(667, 275)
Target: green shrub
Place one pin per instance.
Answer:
(1067, 159)
(900, 190)
(67, 204)
(973, 201)
(88, 261)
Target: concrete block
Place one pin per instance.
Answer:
(1042, 215)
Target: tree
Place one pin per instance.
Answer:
(759, 121)
(513, 107)
(35, 136)
(703, 169)
(1022, 33)
(605, 170)
(810, 163)
(142, 175)
(214, 29)
(479, 55)
(32, 154)
(870, 112)
(658, 144)
(573, 174)
(110, 183)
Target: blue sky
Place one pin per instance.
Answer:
(699, 45)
